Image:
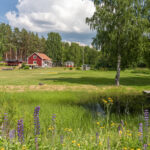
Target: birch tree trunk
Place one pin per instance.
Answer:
(118, 70)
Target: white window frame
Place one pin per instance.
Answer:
(35, 62)
(34, 57)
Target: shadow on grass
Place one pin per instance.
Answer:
(128, 81)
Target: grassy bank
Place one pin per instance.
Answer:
(76, 121)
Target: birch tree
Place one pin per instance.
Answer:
(120, 27)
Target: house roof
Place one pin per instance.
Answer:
(43, 56)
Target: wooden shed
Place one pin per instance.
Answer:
(69, 64)
(13, 62)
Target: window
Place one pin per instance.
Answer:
(34, 56)
(34, 62)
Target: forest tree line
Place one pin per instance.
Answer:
(19, 44)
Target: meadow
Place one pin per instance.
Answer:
(68, 116)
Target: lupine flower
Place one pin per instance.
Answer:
(122, 123)
(36, 120)
(5, 125)
(120, 130)
(20, 131)
(53, 123)
(53, 119)
(140, 132)
(61, 139)
(145, 146)
(11, 134)
(146, 117)
(36, 125)
(97, 137)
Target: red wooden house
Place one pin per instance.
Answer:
(40, 60)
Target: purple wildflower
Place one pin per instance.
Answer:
(146, 117)
(53, 118)
(141, 131)
(53, 123)
(11, 134)
(36, 120)
(120, 130)
(20, 131)
(145, 146)
(97, 137)
(61, 139)
(122, 123)
(5, 125)
(36, 125)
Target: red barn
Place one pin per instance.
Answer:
(40, 60)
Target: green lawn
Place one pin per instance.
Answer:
(138, 80)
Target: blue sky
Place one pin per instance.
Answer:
(5, 6)
(66, 17)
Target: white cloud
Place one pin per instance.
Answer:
(52, 15)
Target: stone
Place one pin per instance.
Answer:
(41, 83)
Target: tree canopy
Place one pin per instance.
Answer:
(19, 44)
(120, 26)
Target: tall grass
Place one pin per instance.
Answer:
(77, 122)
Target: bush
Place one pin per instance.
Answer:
(70, 68)
(78, 68)
(26, 67)
(23, 65)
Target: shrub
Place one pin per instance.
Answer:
(70, 68)
(23, 65)
(78, 68)
(26, 67)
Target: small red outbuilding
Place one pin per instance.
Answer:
(40, 60)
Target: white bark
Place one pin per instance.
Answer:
(118, 70)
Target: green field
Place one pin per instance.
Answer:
(73, 95)
(138, 79)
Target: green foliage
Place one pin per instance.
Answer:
(18, 43)
(79, 54)
(90, 55)
(147, 53)
(54, 47)
(59, 76)
(26, 67)
(120, 27)
(78, 68)
(76, 120)
(77, 117)
(23, 65)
